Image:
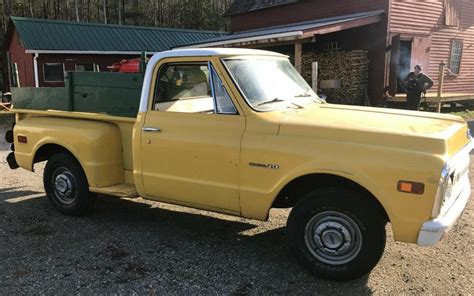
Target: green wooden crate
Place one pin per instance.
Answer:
(115, 94)
(42, 98)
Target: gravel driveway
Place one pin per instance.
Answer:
(136, 246)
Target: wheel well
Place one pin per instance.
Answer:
(299, 187)
(48, 150)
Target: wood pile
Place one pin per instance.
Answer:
(352, 68)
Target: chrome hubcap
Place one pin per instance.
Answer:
(64, 185)
(333, 238)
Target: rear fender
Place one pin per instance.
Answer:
(96, 145)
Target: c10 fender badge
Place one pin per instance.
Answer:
(272, 166)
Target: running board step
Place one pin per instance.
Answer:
(121, 190)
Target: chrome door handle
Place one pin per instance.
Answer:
(151, 130)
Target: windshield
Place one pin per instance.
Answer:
(271, 84)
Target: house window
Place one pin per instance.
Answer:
(53, 72)
(452, 10)
(456, 55)
(331, 47)
(85, 67)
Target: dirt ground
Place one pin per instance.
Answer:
(136, 246)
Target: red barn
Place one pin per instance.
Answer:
(40, 51)
(392, 35)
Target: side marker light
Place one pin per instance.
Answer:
(411, 187)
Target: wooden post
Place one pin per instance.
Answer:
(69, 83)
(298, 54)
(440, 84)
(314, 76)
(143, 63)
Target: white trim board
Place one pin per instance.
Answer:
(47, 51)
(244, 39)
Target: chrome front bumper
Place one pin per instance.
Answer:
(433, 231)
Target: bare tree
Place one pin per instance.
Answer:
(192, 14)
(120, 12)
(31, 8)
(76, 8)
(45, 9)
(105, 11)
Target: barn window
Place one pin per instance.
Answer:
(14, 77)
(53, 72)
(456, 55)
(452, 10)
(85, 67)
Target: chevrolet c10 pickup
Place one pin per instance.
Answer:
(240, 132)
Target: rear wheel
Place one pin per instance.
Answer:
(66, 185)
(337, 234)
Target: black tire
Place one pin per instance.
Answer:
(66, 185)
(338, 234)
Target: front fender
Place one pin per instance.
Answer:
(375, 168)
(249, 198)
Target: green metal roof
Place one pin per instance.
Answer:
(42, 34)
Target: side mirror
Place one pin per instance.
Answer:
(322, 97)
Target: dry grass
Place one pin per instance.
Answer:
(466, 114)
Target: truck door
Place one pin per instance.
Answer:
(191, 137)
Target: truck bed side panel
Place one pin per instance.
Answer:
(96, 145)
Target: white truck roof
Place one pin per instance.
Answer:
(192, 52)
(212, 52)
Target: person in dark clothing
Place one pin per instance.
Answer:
(416, 83)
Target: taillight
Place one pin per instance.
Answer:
(22, 139)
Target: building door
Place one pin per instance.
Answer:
(404, 63)
(420, 52)
(394, 64)
(407, 51)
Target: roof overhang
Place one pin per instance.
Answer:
(287, 36)
(297, 31)
(342, 26)
(90, 52)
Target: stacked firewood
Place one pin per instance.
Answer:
(351, 68)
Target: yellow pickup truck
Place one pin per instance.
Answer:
(240, 132)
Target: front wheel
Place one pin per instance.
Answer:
(337, 234)
(66, 185)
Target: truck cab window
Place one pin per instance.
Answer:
(191, 88)
(183, 88)
(223, 102)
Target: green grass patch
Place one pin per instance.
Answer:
(467, 112)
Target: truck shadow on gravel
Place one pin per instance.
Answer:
(14, 192)
(139, 246)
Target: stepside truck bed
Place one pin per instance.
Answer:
(96, 104)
